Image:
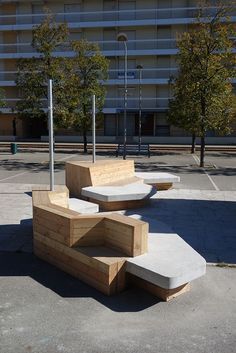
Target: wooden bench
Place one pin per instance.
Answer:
(93, 248)
(107, 173)
(111, 251)
(162, 181)
(133, 149)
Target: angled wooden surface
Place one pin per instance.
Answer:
(103, 172)
(162, 293)
(120, 205)
(100, 267)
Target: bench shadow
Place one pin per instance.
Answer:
(66, 286)
(207, 226)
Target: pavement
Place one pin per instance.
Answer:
(43, 310)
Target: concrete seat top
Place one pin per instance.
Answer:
(155, 177)
(169, 263)
(119, 193)
(82, 206)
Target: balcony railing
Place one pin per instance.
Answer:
(116, 74)
(112, 45)
(101, 17)
(113, 103)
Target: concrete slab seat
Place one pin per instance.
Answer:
(82, 206)
(111, 198)
(110, 183)
(109, 251)
(168, 268)
(162, 181)
(110, 172)
(93, 248)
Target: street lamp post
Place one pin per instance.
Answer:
(140, 67)
(122, 37)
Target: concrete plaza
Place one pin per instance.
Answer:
(45, 310)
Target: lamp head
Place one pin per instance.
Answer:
(139, 67)
(122, 37)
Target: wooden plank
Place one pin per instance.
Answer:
(73, 262)
(162, 293)
(140, 245)
(163, 186)
(73, 272)
(60, 237)
(119, 205)
(43, 196)
(99, 262)
(82, 174)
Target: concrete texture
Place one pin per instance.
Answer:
(33, 168)
(43, 310)
(119, 193)
(169, 263)
(82, 206)
(154, 178)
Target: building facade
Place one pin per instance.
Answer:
(151, 27)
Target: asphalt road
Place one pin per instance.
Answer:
(43, 310)
(218, 174)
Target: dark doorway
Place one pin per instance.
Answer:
(34, 127)
(147, 124)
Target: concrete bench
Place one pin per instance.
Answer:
(133, 149)
(80, 174)
(83, 207)
(119, 197)
(162, 181)
(168, 267)
(109, 251)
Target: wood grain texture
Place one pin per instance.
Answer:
(103, 172)
(99, 267)
(161, 293)
(120, 205)
(163, 186)
(43, 196)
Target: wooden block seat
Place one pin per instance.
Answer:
(108, 250)
(119, 197)
(162, 181)
(101, 267)
(80, 174)
(92, 248)
(168, 267)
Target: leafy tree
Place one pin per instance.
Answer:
(92, 68)
(33, 75)
(2, 102)
(203, 96)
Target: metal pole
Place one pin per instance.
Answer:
(125, 100)
(140, 110)
(94, 127)
(51, 137)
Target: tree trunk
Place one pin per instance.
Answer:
(193, 143)
(85, 141)
(202, 155)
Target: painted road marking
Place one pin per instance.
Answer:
(197, 160)
(13, 176)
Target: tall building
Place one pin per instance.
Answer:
(150, 26)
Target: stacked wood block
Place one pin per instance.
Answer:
(103, 172)
(93, 248)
